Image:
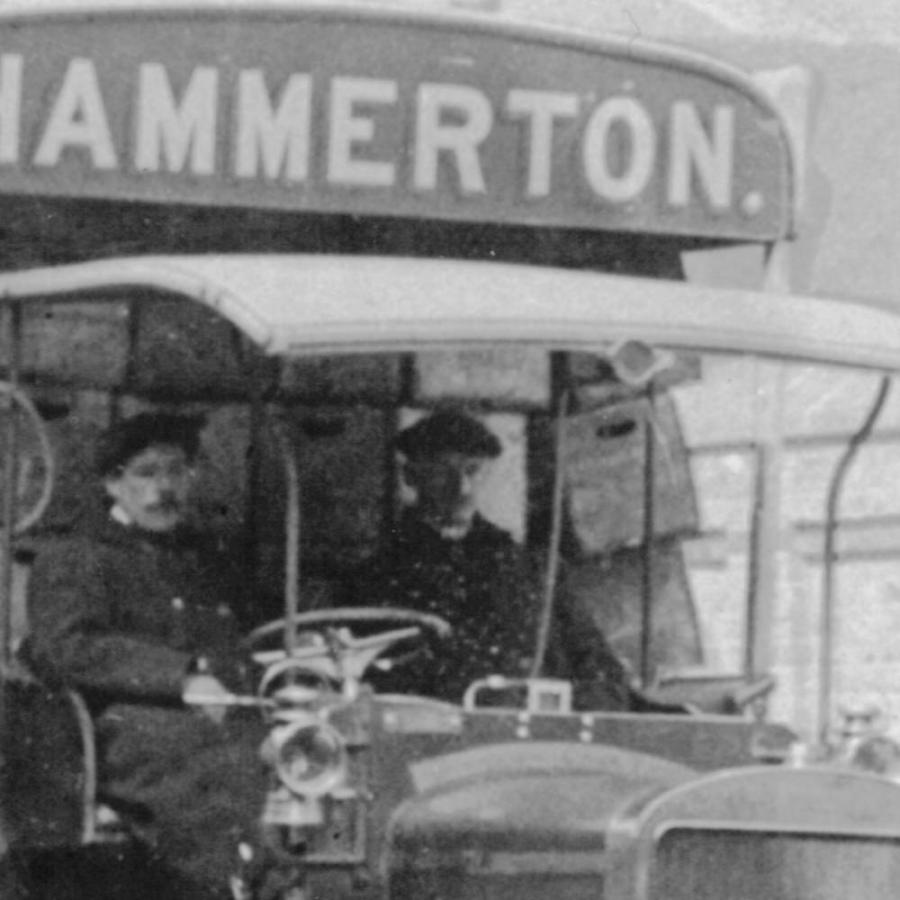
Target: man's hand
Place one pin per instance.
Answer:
(208, 694)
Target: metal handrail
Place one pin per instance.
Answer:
(826, 646)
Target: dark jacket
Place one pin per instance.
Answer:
(490, 590)
(123, 614)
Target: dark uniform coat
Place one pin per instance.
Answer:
(123, 616)
(490, 590)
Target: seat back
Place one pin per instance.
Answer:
(47, 746)
(48, 779)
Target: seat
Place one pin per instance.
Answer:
(43, 723)
(46, 749)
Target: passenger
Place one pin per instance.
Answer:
(136, 613)
(446, 558)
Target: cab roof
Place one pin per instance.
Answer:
(294, 304)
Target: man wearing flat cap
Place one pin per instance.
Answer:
(446, 558)
(135, 611)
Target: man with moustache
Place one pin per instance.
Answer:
(136, 612)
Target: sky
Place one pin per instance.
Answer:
(825, 21)
(830, 21)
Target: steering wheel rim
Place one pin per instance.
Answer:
(349, 615)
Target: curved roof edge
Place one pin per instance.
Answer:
(631, 47)
(294, 304)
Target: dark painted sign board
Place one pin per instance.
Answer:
(337, 110)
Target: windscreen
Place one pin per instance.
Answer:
(675, 489)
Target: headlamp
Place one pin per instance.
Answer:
(310, 757)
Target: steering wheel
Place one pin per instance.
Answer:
(332, 651)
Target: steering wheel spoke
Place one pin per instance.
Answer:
(384, 638)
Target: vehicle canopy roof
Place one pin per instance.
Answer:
(295, 303)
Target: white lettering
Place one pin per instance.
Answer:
(280, 137)
(637, 167)
(692, 149)
(164, 129)
(349, 128)
(474, 118)
(78, 119)
(541, 108)
(10, 106)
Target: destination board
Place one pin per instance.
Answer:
(384, 114)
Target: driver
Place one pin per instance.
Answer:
(446, 558)
(135, 611)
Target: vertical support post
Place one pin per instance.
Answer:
(551, 574)
(751, 614)
(260, 381)
(10, 483)
(755, 643)
(292, 539)
(766, 525)
(647, 548)
(762, 576)
(252, 485)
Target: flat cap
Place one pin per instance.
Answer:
(448, 430)
(124, 440)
